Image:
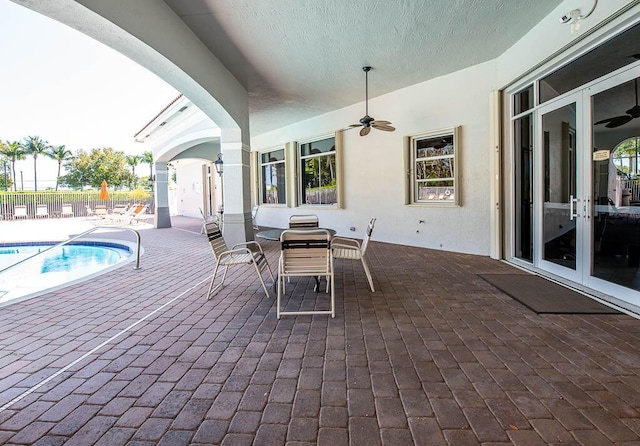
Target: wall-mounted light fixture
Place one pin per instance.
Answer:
(573, 17)
(218, 164)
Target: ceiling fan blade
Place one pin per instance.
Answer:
(380, 122)
(618, 121)
(608, 120)
(365, 131)
(383, 127)
(355, 125)
(634, 111)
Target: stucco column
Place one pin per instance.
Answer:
(236, 188)
(161, 186)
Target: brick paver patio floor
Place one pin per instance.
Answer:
(435, 356)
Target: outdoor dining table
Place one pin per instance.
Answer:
(274, 234)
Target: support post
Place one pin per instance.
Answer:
(238, 226)
(162, 218)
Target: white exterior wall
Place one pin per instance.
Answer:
(374, 167)
(189, 188)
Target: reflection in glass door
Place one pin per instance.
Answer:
(561, 207)
(615, 222)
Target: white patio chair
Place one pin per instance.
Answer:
(101, 211)
(305, 252)
(140, 214)
(254, 214)
(42, 211)
(303, 221)
(207, 219)
(120, 209)
(248, 253)
(67, 211)
(351, 249)
(121, 215)
(20, 211)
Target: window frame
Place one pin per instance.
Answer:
(412, 160)
(299, 174)
(261, 182)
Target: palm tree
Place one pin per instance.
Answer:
(133, 161)
(147, 158)
(34, 147)
(14, 152)
(59, 154)
(4, 158)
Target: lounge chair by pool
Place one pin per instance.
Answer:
(67, 211)
(20, 211)
(42, 211)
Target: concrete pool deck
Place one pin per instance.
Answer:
(435, 356)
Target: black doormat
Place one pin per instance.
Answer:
(545, 297)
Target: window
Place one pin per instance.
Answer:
(318, 173)
(617, 52)
(523, 100)
(273, 186)
(523, 186)
(626, 159)
(433, 171)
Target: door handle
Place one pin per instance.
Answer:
(573, 202)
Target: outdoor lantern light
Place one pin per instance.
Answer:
(218, 163)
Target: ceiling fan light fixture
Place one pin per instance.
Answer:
(367, 122)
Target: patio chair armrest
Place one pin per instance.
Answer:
(247, 245)
(236, 251)
(345, 242)
(347, 247)
(231, 252)
(255, 255)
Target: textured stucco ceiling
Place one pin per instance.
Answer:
(303, 58)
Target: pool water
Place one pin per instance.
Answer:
(55, 267)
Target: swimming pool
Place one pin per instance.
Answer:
(58, 266)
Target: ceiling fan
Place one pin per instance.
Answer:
(367, 122)
(632, 113)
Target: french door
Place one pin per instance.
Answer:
(612, 168)
(586, 222)
(560, 192)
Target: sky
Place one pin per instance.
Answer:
(69, 89)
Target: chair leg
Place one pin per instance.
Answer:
(333, 294)
(215, 272)
(218, 286)
(264, 286)
(280, 283)
(269, 269)
(224, 275)
(280, 278)
(368, 273)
